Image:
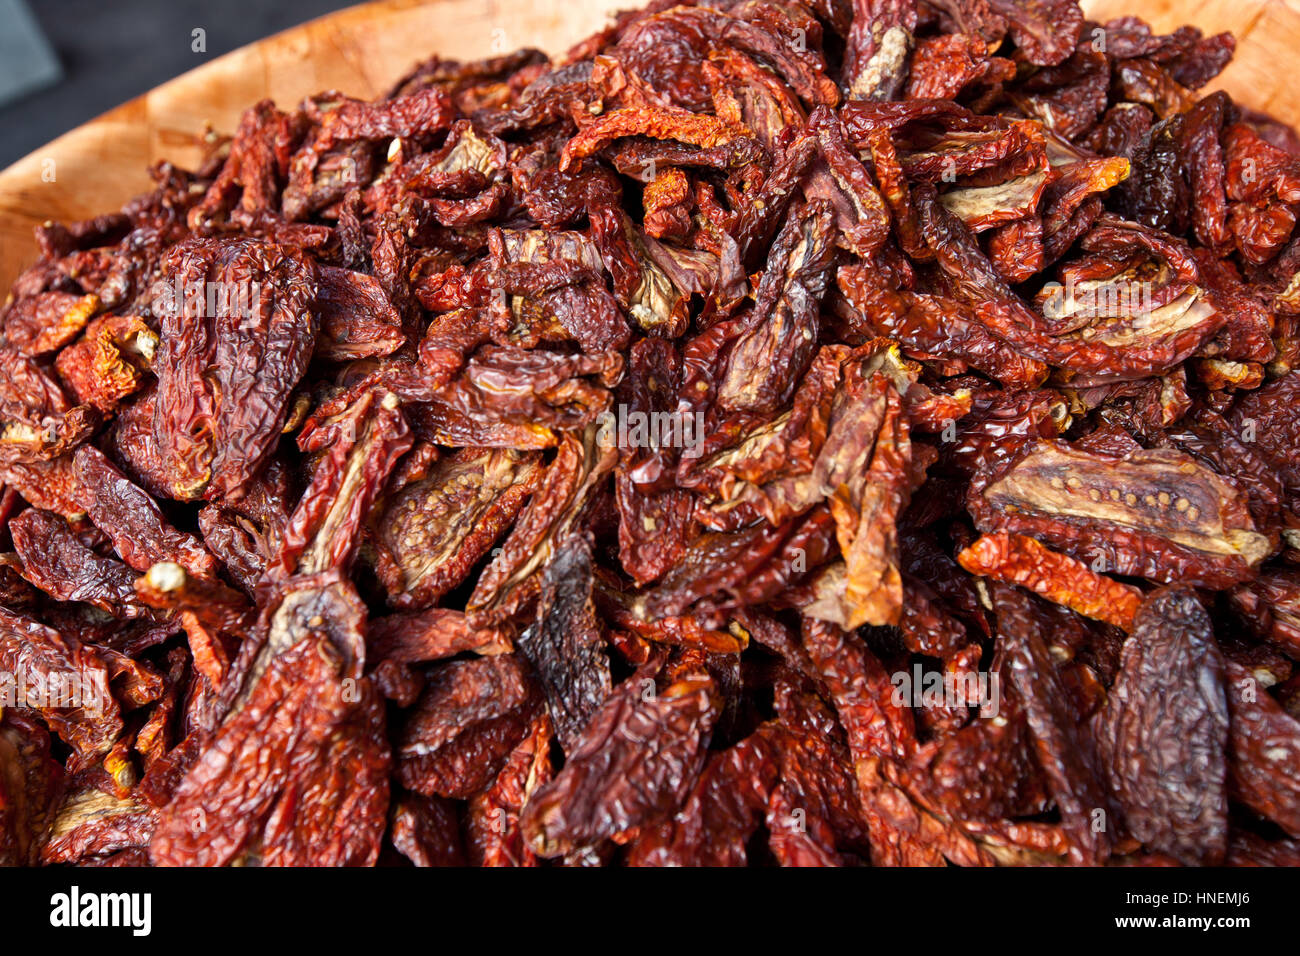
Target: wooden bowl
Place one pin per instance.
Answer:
(361, 51)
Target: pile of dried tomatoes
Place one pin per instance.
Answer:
(814, 432)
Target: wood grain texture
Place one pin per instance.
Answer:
(361, 51)
(1262, 75)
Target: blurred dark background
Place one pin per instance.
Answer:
(112, 50)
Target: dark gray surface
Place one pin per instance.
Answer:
(113, 50)
(26, 61)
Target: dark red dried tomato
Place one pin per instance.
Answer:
(1167, 761)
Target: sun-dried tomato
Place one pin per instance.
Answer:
(31, 788)
(54, 559)
(247, 535)
(987, 771)
(565, 644)
(493, 835)
(92, 824)
(1157, 514)
(426, 831)
(560, 500)
(608, 785)
(1263, 742)
(64, 680)
(37, 422)
(132, 519)
(722, 813)
(1017, 559)
(225, 379)
(324, 794)
(1167, 764)
(1069, 766)
(357, 448)
(1270, 606)
(433, 531)
(471, 715)
(47, 322)
(108, 362)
